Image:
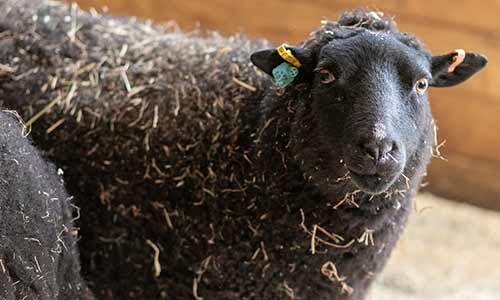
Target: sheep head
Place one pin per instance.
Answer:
(366, 115)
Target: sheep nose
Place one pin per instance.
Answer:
(378, 149)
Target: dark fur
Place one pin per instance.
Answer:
(235, 169)
(321, 126)
(39, 258)
(327, 126)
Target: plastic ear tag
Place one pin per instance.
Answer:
(288, 56)
(458, 58)
(284, 74)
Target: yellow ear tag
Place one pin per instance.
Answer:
(288, 56)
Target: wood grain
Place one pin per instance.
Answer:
(469, 122)
(467, 179)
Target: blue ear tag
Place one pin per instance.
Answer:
(284, 74)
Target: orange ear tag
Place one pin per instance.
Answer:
(457, 60)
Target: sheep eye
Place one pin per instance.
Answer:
(421, 86)
(326, 76)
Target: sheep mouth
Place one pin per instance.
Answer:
(373, 183)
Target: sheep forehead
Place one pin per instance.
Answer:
(376, 42)
(374, 46)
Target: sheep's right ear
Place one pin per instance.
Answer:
(268, 59)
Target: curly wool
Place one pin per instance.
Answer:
(353, 22)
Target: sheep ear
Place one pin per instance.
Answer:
(456, 67)
(268, 59)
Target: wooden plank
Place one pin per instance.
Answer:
(465, 15)
(467, 179)
(468, 122)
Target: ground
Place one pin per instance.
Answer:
(449, 251)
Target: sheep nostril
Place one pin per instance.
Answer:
(376, 150)
(387, 147)
(371, 152)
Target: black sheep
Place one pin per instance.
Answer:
(186, 159)
(38, 254)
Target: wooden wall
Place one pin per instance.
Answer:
(468, 116)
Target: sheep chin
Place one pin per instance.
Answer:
(374, 184)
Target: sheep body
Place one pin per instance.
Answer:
(180, 155)
(38, 254)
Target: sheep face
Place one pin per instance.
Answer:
(375, 88)
(366, 119)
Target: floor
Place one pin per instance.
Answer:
(449, 251)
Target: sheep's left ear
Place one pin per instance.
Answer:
(456, 67)
(268, 59)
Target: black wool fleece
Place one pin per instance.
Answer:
(197, 178)
(38, 254)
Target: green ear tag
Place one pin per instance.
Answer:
(284, 74)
